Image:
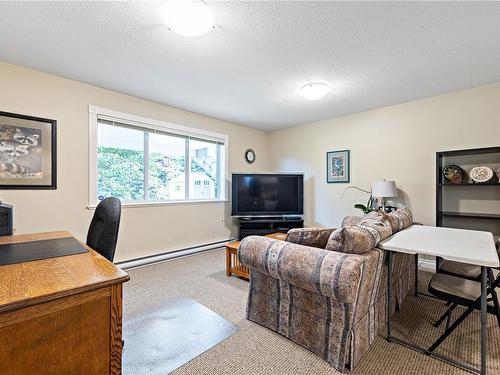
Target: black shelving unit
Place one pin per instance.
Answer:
(477, 215)
(469, 215)
(260, 226)
(470, 185)
(466, 159)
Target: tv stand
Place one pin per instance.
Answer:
(261, 226)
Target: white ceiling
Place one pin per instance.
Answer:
(249, 68)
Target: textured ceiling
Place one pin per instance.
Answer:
(249, 68)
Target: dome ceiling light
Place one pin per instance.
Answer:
(314, 90)
(188, 17)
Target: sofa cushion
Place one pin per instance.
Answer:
(316, 237)
(383, 227)
(380, 216)
(392, 221)
(351, 240)
(362, 237)
(351, 220)
(400, 219)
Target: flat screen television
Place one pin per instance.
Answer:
(267, 194)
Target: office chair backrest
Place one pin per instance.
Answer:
(103, 230)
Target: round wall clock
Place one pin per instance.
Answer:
(250, 156)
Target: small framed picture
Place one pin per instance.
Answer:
(337, 166)
(27, 152)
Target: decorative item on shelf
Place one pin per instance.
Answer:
(27, 152)
(384, 189)
(337, 166)
(481, 174)
(498, 174)
(250, 156)
(454, 174)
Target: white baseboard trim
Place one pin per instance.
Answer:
(145, 261)
(427, 265)
(423, 264)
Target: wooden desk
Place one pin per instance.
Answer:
(60, 315)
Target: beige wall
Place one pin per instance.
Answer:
(397, 143)
(144, 231)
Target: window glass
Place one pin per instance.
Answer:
(167, 160)
(203, 170)
(141, 164)
(120, 162)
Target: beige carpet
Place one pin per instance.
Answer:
(257, 350)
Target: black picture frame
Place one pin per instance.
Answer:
(52, 185)
(346, 157)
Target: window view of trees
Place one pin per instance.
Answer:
(121, 173)
(121, 166)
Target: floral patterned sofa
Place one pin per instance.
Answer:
(325, 288)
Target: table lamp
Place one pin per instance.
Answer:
(384, 189)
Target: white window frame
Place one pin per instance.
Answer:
(96, 113)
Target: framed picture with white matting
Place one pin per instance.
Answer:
(337, 166)
(27, 152)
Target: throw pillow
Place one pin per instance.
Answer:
(316, 237)
(400, 219)
(362, 237)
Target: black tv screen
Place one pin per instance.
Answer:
(267, 194)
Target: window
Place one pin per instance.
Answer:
(140, 160)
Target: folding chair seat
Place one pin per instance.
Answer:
(465, 292)
(467, 271)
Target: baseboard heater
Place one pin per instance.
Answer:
(156, 258)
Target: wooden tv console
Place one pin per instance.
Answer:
(262, 226)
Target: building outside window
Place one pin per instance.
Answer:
(151, 162)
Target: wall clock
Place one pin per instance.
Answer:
(250, 156)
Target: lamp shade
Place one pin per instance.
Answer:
(384, 189)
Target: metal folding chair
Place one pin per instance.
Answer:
(464, 292)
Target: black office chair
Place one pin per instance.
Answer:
(103, 230)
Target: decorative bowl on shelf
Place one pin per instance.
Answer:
(454, 174)
(481, 174)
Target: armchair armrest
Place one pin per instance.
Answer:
(332, 274)
(315, 237)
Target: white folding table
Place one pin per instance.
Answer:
(459, 245)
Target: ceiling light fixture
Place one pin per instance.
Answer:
(188, 17)
(314, 90)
